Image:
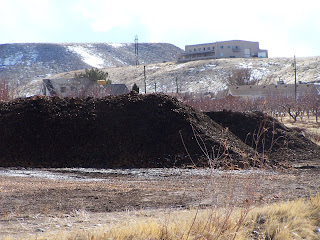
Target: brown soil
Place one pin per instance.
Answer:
(30, 205)
(125, 132)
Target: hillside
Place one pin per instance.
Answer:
(202, 76)
(24, 62)
(211, 75)
(25, 65)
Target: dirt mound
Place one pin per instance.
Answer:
(268, 136)
(115, 132)
(133, 131)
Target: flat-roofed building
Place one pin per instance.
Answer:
(262, 92)
(81, 87)
(223, 49)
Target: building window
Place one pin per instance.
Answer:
(204, 49)
(199, 49)
(236, 48)
(194, 50)
(208, 48)
(63, 89)
(229, 47)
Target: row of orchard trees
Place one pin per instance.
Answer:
(4, 91)
(303, 107)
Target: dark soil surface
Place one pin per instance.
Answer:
(115, 132)
(268, 136)
(131, 131)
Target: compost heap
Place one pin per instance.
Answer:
(268, 136)
(128, 131)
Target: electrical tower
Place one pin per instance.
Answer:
(136, 49)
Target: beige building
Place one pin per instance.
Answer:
(270, 91)
(224, 49)
(81, 87)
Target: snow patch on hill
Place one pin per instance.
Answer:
(117, 45)
(87, 56)
(12, 60)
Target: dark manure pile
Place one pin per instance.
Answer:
(268, 136)
(128, 131)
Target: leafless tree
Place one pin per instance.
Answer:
(241, 76)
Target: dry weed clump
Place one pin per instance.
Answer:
(299, 219)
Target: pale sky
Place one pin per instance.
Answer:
(284, 27)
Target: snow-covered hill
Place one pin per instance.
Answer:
(24, 62)
(27, 64)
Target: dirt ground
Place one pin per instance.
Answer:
(33, 201)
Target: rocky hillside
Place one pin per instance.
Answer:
(204, 75)
(211, 75)
(25, 65)
(24, 62)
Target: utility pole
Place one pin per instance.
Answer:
(145, 79)
(295, 78)
(177, 85)
(136, 50)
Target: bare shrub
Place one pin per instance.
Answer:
(241, 76)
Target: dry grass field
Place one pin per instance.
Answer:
(289, 220)
(159, 204)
